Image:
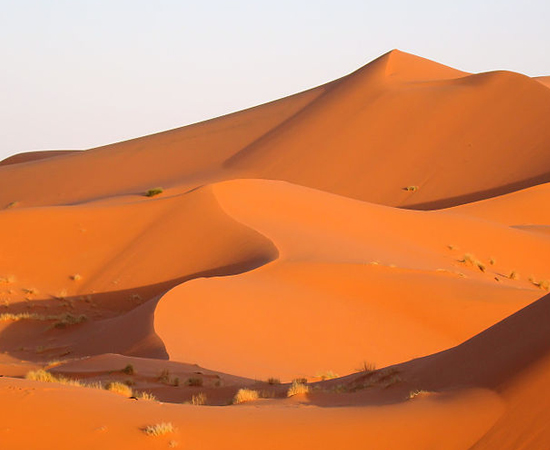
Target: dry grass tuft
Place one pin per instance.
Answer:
(417, 393)
(154, 191)
(129, 370)
(68, 319)
(411, 188)
(198, 399)
(8, 279)
(159, 429)
(513, 275)
(119, 388)
(492, 261)
(245, 395)
(21, 316)
(197, 382)
(30, 291)
(297, 388)
(273, 381)
(76, 277)
(542, 284)
(367, 367)
(146, 396)
(164, 376)
(47, 377)
(468, 258)
(328, 375)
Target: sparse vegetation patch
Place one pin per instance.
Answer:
(154, 191)
(245, 395)
(159, 429)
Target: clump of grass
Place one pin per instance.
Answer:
(21, 316)
(297, 388)
(119, 388)
(468, 258)
(198, 399)
(176, 381)
(76, 277)
(154, 191)
(129, 370)
(451, 247)
(68, 319)
(245, 395)
(513, 275)
(367, 367)
(12, 204)
(30, 291)
(411, 188)
(492, 261)
(145, 396)
(300, 380)
(194, 381)
(542, 284)
(164, 376)
(8, 279)
(328, 375)
(417, 393)
(47, 377)
(159, 429)
(273, 381)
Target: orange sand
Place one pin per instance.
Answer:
(286, 244)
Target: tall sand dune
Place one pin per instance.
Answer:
(365, 264)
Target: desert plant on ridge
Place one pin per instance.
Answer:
(297, 388)
(159, 429)
(129, 370)
(198, 399)
(119, 388)
(154, 191)
(245, 395)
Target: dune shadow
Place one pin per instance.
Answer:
(116, 321)
(450, 202)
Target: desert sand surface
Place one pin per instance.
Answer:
(365, 264)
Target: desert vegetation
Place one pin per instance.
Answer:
(245, 395)
(159, 429)
(154, 191)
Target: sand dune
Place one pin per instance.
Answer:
(384, 236)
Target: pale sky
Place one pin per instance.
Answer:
(77, 74)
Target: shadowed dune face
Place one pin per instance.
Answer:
(384, 236)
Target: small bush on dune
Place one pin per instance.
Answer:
(542, 284)
(146, 396)
(154, 191)
(471, 259)
(47, 377)
(367, 367)
(328, 375)
(198, 399)
(194, 382)
(68, 319)
(129, 370)
(411, 188)
(164, 376)
(513, 275)
(245, 395)
(297, 388)
(119, 388)
(273, 381)
(21, 316)
(159, 429)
